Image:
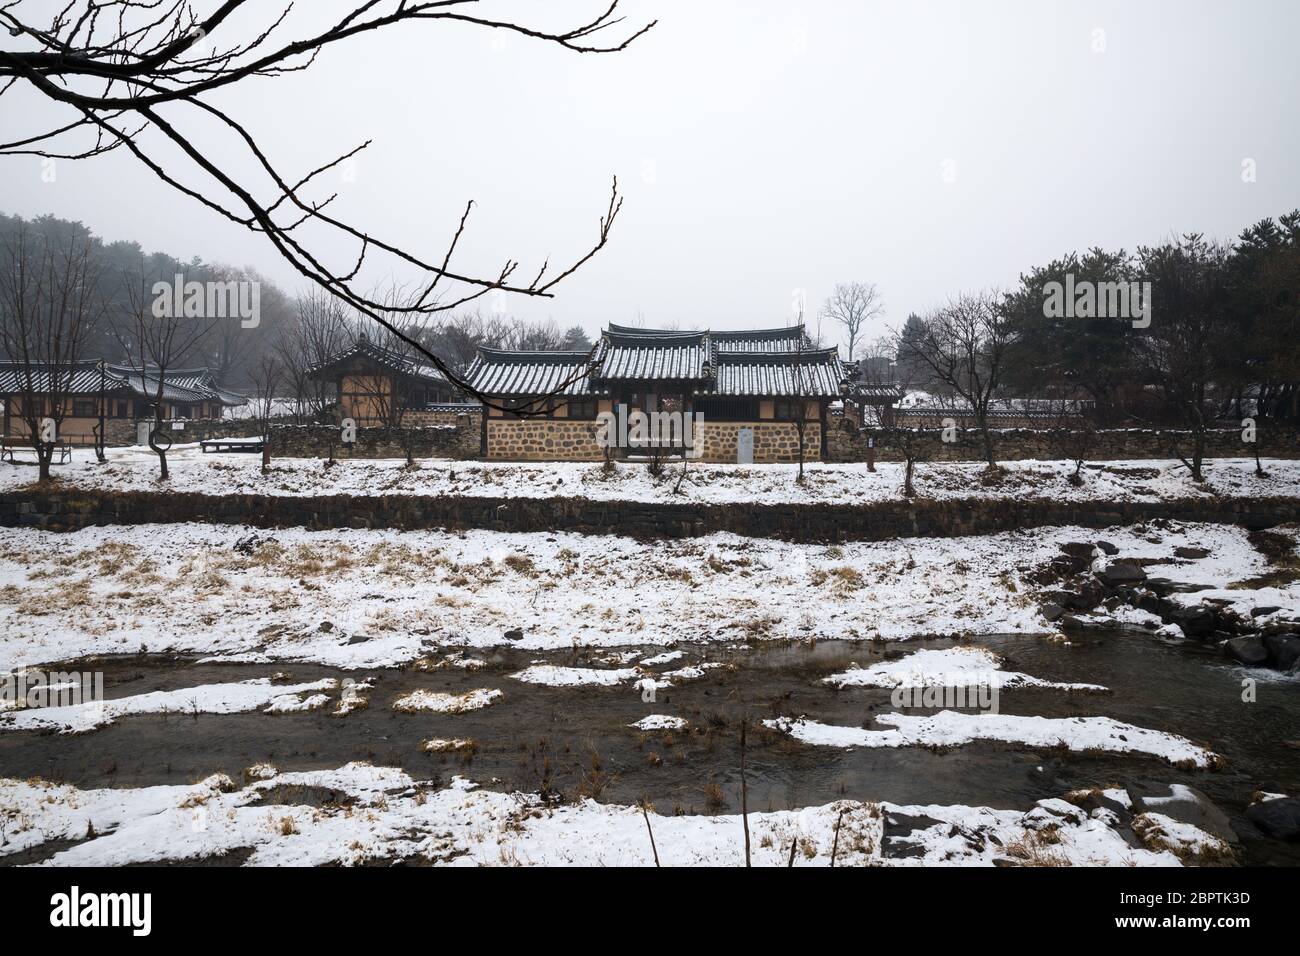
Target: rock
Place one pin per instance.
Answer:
(1052, 812)
(1085, 599)
(1107, 548)
(1066, 565)
(1185, 804)
(1196, 621)
(1152, 603)
(1280, 819)
(1249, 650)
(1182, 551)
(1051, 611)
(1284, 649)
(358, 639)
(1096, 801)
(1120, 573)
(1265, 609)
(325, 627)
(515, 635)
(1078, 549)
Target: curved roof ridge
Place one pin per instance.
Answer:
(740, 358)
(777, 332)
(533, 355)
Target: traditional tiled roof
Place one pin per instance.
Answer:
(815, 373)
(775, 362)
(875, 391)
(788, 339)
(504, 373)
(383, 356)
(658, 356)
(80, 378)
(189, 386)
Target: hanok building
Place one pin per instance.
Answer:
(872, 403)
(751, 391)
(123, 393)
(377, 385)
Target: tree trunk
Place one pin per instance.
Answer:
(44, 455)
(157, 449)
(908, 490)
(799, 429)
(987, 438)
(1259, 435)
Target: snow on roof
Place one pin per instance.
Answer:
(747, 363)
(190, 385)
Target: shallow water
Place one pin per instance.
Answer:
(575, 741)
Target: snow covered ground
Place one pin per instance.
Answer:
(952, 729)
(370, 598)
(644, 613)
(209, 699)
(136, 469)
(951, 667)
(382, 814)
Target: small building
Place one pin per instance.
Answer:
(377, 385)
(868, 404)
(126, 395)
(749, 391)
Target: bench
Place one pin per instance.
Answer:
(247, 445)
(61, 455)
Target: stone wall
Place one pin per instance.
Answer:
(846, 442)
(64, 510)
(430, 441)
(558, 439)
(457, 438)
(542, 439)
(459, 418)
(773, 441)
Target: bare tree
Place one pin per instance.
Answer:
(1182, 350)
(1071, 434)
(156, 340)
(111, 69)
(910, 444)
(266, 380)
(800, 404)
(965, 347)
(877, 365)
(48, 311)
(385, 391)
(317, 333)
(235, 351)
(853, 305)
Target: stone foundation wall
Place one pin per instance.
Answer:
(558, 439)
(66, 510)
(846, 442)
(773, 441)
(542, 439)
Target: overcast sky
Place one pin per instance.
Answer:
(767, 150)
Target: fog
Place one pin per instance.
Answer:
(766, 150)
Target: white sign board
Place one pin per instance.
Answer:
(745, 446)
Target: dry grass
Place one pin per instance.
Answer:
(1033, 849)
(713, 797)
(521, 564)
(1156, 838)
